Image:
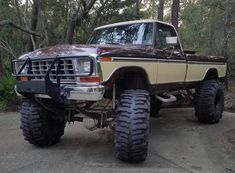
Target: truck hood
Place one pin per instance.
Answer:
(93, 50)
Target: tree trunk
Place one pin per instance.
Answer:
(77, 19)
(20, 22)
(43, 17)
(33, 24)
(138, 2)
(225, 49)
(175, 13)
(161, 10)
(70, 30)
(153, 9)
(1, 65)
(212, 31)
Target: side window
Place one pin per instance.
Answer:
(164, 31)
(148, 34)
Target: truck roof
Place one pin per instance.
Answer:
(132, 22)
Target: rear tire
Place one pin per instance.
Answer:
(38, 126)
(132, 126)
(209, 102)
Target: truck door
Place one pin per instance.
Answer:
(172, 65)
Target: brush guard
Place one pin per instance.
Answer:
(25, 84)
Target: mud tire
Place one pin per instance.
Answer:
(132, 126)
(38, 126)
(209, 102)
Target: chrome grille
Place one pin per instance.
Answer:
(42, 66)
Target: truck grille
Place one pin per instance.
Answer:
(42, 66)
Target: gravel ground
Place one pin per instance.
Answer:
(178, 143)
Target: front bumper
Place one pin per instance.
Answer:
(86, 93)
(75, 92)
(44, 86)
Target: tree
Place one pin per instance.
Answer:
(33, 25)
(226, 21)
(175, 13)
(161, 10)
(77, 19)
(138, 2)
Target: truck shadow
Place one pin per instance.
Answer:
(175, 140)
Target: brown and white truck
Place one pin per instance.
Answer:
(118, 79)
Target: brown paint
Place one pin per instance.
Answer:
(135, 51)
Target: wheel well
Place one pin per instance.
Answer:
(131, 80)
(128, 78)
(211, 74)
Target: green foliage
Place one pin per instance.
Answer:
(202, 28)
(7, 93)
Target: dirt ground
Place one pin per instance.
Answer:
(178, 144)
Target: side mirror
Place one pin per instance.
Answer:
(172, 41)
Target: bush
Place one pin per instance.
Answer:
(8, 97)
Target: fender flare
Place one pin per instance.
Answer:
(123, 70)
(210, 71)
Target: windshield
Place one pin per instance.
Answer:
(140, 33)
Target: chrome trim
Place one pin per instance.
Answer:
(77, 81)
(148, 59)
(99, 70)
(206, 62)
(171, 98)
(17, 94)
(40, 67)
(79, 93)
(132, 22)
(85, 93)
(44, 96)
(166, 60)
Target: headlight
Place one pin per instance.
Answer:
(18, 66)
(84, 66)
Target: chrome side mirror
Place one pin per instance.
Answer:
(171, 41)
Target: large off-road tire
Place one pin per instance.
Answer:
(155, 106)
(209, 102)
(38, 126)
(132, 126)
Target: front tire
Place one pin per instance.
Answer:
(209, 102)
(38, 126)
(132, 126)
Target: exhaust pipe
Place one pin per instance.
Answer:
(170, 98)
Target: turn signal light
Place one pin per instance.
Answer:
(24, 79)
(106, 59)
(90, 79)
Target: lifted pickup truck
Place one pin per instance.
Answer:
(118, 79)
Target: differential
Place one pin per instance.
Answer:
(90, 123)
